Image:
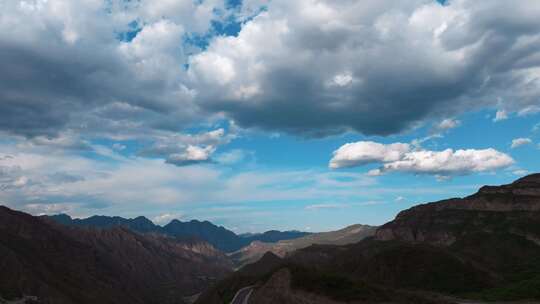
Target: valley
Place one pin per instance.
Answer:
(484, 247)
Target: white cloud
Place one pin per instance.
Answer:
(448, 124)
(233, 156)
(437, 131)
(399, 157)
(450, 162)
(192, 154)
(48, 209)
(20, 181)
(518, 142)
(184, 149)
(520, 172)
(530, 110)
(365, 152)
(342, 80)
(500, 115)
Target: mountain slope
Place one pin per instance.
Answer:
(256, 250)
(485, 246)
(221, 238)
(273, 236)
(61, 264)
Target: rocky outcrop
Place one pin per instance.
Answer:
(492, 208)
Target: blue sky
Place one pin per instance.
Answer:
(389, 194)
(257, 115)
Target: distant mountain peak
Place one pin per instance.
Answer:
(219, 236)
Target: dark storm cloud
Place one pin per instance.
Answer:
(62, 68)
(385, 104)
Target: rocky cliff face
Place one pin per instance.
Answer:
(515, 206)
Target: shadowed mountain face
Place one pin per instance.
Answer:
(60, 264)
(272, 236)
(485, 246)
(511, 209)
(218, 236)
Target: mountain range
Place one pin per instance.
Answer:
(220, 237)
(61, 264)
(484, 247)
(56, 259)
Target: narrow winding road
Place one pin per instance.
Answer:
(242, 296)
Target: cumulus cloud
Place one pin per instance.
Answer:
(185, 149)
(68, 64)
(399, 158)
(120, 69)
(500, 115)
(321, 67)
(191, 155)
(365, 152)
(450, 162)
(447, 124)
(518, 142)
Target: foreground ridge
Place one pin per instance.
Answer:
(483, 247)
(58, 264)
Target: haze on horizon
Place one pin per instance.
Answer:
(264, 114)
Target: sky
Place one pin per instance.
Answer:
(264, 114)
